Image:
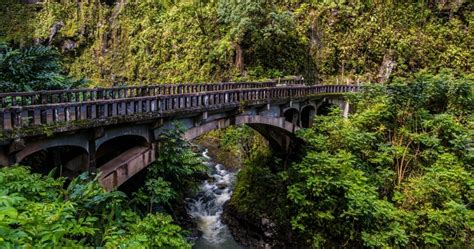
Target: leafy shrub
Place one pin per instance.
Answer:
(36, 211)
(396, 173)
(32, 69)
(173, 174)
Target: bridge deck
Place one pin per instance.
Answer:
(96, 94)
(24, 119)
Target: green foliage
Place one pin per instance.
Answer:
(36, 211)
(174, 172)
(15, 20)
(398, 172)
(242, 141)
(176, 41)
(32, 69)
(437, 202)
(153, 231)
(353, 40)
(335, 203)
(263, 36)
(247, 196)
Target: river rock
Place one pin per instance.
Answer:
(222, 185)
(226, 158)
(268, 234)
(252, 233)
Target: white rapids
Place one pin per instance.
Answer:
(207, 206)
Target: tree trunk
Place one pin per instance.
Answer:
(239, 58)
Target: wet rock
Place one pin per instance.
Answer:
(184, 220)
(229, 160)
(68, 45)
(268, 234)
(203, 176)
(222, 185)
(254, 234)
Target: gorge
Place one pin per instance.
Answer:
(236, 124)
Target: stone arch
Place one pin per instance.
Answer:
(306, 115)
(274, 122)
(79, 140)
(117, 145)
(276, 130)
(71, 160)
(291, 114)
(140, 131)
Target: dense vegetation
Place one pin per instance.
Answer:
(43, 212)
(36, 211)
(33, 69)
(175, 41)
(398, 172)
(173, 176)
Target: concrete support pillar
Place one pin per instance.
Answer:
(4, 160)
(295, 120)
(92, 163)
(78, 164)
(345, 112)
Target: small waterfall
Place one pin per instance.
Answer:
(207, 206)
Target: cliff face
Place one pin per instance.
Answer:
(149, 41)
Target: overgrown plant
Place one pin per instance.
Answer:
(173, 174)
(33, 69)
(36, 211)
(396, 173)
(182, 41)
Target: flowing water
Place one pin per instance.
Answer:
(207, 206)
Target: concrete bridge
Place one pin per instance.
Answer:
(115, 130)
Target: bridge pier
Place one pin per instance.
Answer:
(91, 165)
(78, 164)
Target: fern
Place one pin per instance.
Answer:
(32, 69)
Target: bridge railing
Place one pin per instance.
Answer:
(94, 94)
(154, 106)
(291, 82)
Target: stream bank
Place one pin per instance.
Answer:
(206, 207)
(225, 219)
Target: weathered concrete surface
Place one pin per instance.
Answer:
(134, 130)
(280, 123)
(77, 140)
(275, 114)
(120, 169)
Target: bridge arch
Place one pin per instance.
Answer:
(78, 140)
(273, 122)
(276, 130)
(139, 131)
(306, 115)
(117, 145)
(71, 160)
(291, 114)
